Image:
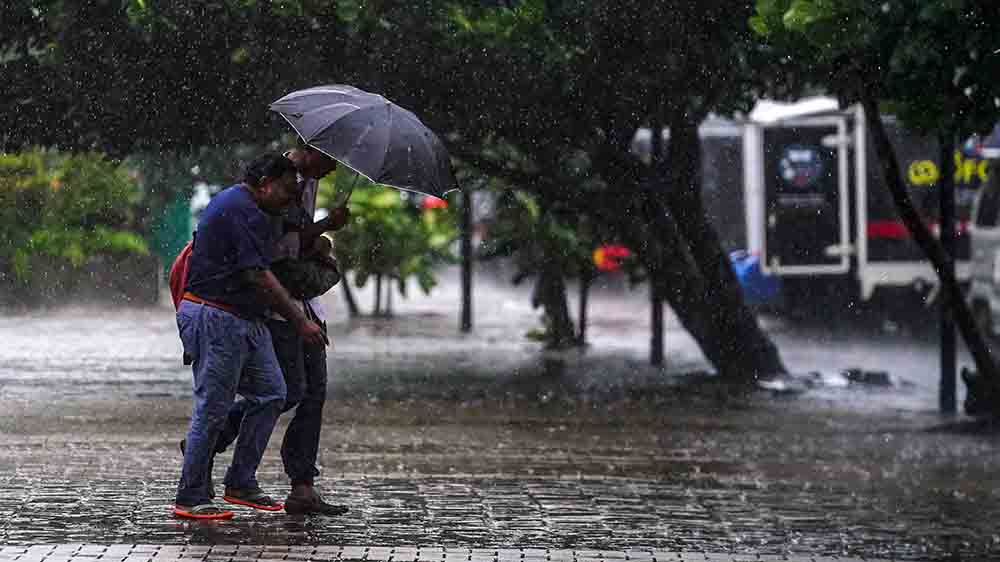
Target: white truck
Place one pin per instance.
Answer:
(820, 217)
(798, 185)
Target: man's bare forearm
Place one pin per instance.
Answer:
(277, 296)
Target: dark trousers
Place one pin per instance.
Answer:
(304, 368)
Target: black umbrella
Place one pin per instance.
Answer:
(373, 136)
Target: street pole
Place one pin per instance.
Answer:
(946, 222)
(655, 298)
(656, 337)
(466, 244)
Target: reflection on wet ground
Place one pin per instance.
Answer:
(693, 474)
(432, 437)
(475, 512)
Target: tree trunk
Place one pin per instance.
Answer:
(656, 324)
(388, 297)
(378, 295)
(931, 246)
(701, 288)
(655, 295)
(352, 305)
(581, 337)
(946, 230)
(466, 243)
(550, 294)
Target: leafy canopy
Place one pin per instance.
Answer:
(933, 64)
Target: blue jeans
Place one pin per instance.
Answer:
(231, 355)
(305, 370)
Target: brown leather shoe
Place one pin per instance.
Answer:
(301, 504)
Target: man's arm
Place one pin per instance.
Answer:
(321, 249)
(334, 221)
(278, 298)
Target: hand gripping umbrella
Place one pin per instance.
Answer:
(371, 135)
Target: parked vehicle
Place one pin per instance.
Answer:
(984, 287)
(798, 187)
(822, 219)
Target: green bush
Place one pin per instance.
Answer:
(65, 209)
(388, 235)
(537, 238)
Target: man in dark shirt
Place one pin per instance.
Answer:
(230, 292)
(303, 364)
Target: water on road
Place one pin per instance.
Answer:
(434, 437)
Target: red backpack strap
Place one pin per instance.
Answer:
(178, 274)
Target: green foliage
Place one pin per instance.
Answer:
(543, 95)
(387, 234)
(69, 207)
(25, 185)
(75, 246)
(128, 76)
(932, 63)
(536, 238)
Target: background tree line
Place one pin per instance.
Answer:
(537, 100)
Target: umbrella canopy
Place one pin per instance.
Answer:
(373, 136)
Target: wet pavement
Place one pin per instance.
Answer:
(244, 553)
(455, 442)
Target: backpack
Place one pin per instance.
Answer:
(178, 274)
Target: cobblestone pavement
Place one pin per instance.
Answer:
(646, 474)
(484, 446)
(244, 553)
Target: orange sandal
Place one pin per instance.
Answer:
(202, 511)
(255, 498)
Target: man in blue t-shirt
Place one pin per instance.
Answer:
(303, 364)
(229, 294)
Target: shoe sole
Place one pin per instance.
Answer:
(189, 515)
(236, 501)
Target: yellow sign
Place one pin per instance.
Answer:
(966, 169)
(925, 172)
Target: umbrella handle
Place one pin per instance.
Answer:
(350, 191)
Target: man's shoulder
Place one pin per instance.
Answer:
(233, 198)
(232, 206)
(233, 195)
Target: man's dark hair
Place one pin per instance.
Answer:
(267, 165)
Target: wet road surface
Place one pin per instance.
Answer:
(482, 441)
(424, 553)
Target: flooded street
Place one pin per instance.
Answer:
(94, 352)
(484, 440)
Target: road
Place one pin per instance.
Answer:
(483, 440)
